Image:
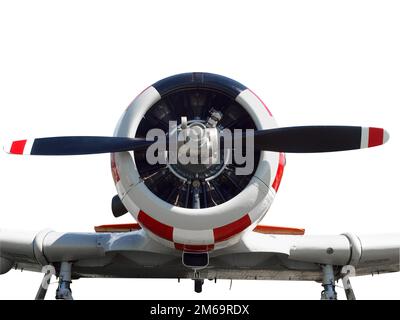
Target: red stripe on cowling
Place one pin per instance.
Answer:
(160, 229)
(114, 170)
(375, 137)
(265, 106)
(279, 172)
(193, 247)
(18, 147)
(231, 229)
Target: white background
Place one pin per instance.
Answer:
(71, 67)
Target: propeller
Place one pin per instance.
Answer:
(306, 139)
(76, 145)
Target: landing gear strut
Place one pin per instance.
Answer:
(64, 291)
(328, 282)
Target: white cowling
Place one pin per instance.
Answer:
(172, 225)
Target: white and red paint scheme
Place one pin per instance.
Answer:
(196, 229)
(218, 236)
(207, 228)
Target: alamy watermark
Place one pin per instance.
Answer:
(198, 144)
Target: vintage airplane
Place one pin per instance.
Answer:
(199, 221)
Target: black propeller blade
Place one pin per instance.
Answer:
(77, 145)
(308, 139)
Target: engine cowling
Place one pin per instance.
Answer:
(195, 208)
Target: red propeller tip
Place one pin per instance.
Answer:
(18, 147)
(372, 137)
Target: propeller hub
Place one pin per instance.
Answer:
(198, 151)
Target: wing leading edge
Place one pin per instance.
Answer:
(257, 255)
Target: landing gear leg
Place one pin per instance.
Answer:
(328, 282)
(64, 291)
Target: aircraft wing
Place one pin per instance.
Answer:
(256, 256)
